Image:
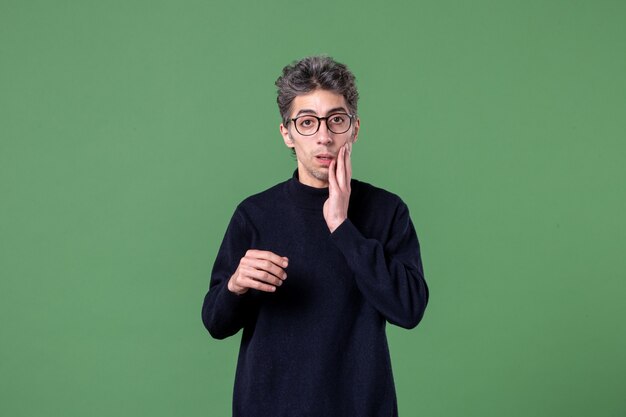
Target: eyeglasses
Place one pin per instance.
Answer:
(308, 125)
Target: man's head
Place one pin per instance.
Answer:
(311, 73)
(321, 95)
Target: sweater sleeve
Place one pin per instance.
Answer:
(389, 274)
(223, 312)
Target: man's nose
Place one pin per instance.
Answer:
(324, 136)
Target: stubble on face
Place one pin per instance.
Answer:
(319, 174)
(307, 163)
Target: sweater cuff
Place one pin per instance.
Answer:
(346, 236)
(230, 299)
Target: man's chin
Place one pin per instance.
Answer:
(320, 175)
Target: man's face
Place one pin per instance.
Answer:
(314, 153)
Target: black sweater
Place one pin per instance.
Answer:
(317, 346)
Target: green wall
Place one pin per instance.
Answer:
(129, 130)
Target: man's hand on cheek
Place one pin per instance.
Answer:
(339, 176)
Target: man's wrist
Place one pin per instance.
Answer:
(333, 225)
(232, 288)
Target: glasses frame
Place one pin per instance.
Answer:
(319, 123)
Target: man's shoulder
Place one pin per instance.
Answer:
(364, 192)
(264, 198)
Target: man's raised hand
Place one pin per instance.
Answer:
(339, 176)
(260, 270)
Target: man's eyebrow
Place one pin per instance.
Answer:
(331, 111)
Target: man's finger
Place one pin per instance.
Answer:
(332, 180)
(281, 261)
(265, 265)
(348, 164)
(341, 168)
(261, 276)
(257, 285)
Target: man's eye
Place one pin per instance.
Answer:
(306, 122)
(337, 120)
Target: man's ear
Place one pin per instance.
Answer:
(355, 133)
(286, 136)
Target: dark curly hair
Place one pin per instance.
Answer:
(311, 73)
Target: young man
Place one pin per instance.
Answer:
(313, 268)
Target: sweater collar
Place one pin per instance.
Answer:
(306, 196)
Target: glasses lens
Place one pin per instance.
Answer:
(338, 123)
(307, 125)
